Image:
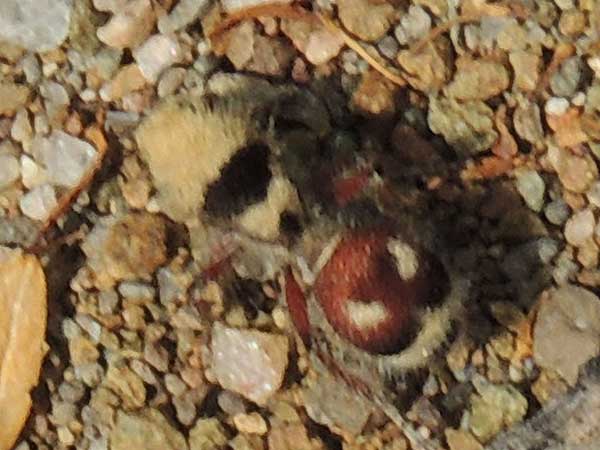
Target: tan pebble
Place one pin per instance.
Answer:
(289, 437)
(478, 359)
(579, 229)
(134, 317)
(587, 254)
(65, 436)
(13, 97)
(83, 351)
(503, 345)
(263, 320)
(210, 376)
(73, 125)
(575, 201)
(375, 95)
(136, 192)
(236, 317)
(213, 294)
(285, 412)
(252, 423)
(572, 22)
(280, 318)
(458, 355)
(575, 172)
(367, 20)
(127, 80)
(192, 377)
(548, 385)
(461, 440)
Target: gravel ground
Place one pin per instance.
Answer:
(204, 182)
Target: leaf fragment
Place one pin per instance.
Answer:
(23, 313)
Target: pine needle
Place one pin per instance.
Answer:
(355, 45)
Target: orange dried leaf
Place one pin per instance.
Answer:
(22, 330)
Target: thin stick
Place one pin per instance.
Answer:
(354, 45)
(442, 29)
(464, 18)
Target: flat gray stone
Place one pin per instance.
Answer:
(567, 331)
(36, 25)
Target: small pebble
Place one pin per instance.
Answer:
(37, 25)
(531, 186)
(593, 194)
(567, 331)
(231, 403)
(388, 47)
(39, 203)
(21, 130)
(556, 106)
(495, 407)
(129, 26)
(185, 409)
(156, 54)
(566, 79)
(10, 170)
(580, 227)
(413, 25)
(146, 428)
(322, 46)
(564, 4)
(170, 81)
(232, 5)
(252, 423)
(259, 374)
(184, 13)
(557, 212)
(565, 269)
(576, 172)
(207, 433)
(579, 99)
(594, 64)
(65, 157)
(461, 440)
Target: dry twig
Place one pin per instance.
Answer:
(299, 13)
(355, 45)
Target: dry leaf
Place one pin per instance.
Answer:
(22, 330)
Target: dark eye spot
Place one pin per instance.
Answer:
(244, 181)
